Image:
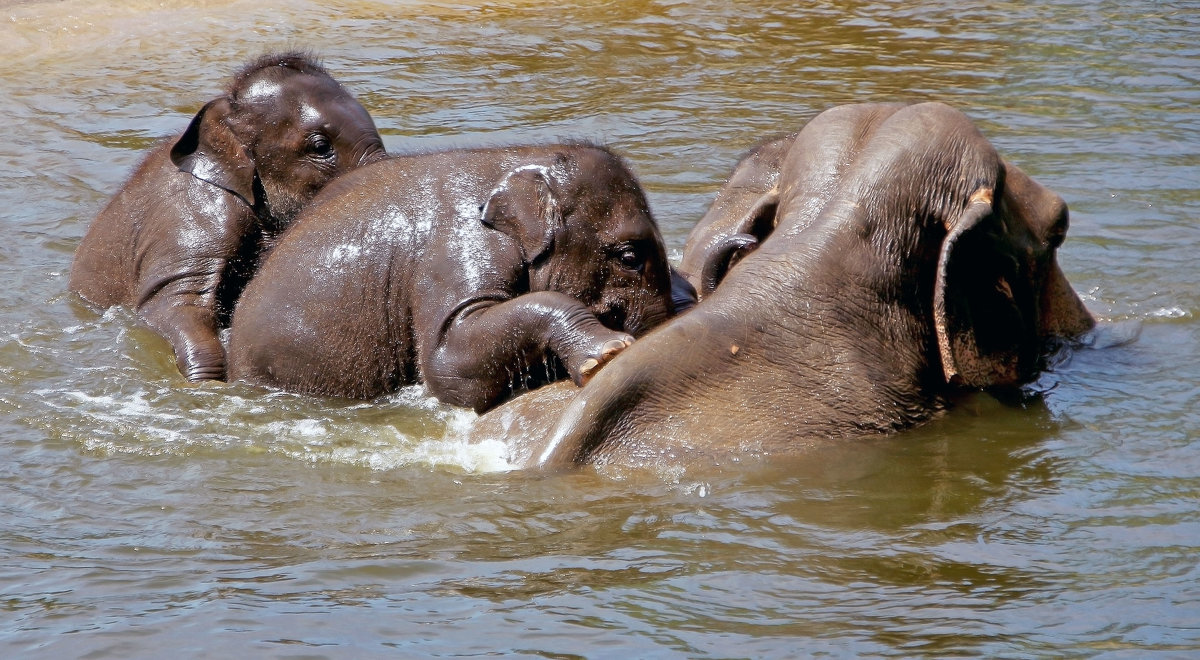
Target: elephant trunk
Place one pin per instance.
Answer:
(719, 256)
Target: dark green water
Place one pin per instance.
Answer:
(144, 517)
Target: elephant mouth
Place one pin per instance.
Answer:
(537, 374)
(615, 318)
(1043, 355)
(636, 322)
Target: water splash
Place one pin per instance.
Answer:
(404, 429)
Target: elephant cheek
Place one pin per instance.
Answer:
(283, 204)
(658, 314)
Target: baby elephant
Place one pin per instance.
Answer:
(481, 272)
(180, 239)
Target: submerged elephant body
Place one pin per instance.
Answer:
(480, 272)
(182, 237)
(896, 260)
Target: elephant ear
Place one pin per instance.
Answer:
(742, 238)
(523, 206)
(209, 151)
(979, 323)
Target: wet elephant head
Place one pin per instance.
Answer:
(1000, 296)
(900, 260)
(584, 229)
(283, 129)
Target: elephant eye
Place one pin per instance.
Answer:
(630, 257)
(320, 146)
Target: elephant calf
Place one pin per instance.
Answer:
(481, 272)
(179, 241)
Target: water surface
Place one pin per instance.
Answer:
(141, 516)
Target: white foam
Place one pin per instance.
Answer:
(301, 428)
(1171, 313)
(152, 422)
(482, 457)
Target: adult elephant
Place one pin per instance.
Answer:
(179, 241)
(481, 272)
(898, 260)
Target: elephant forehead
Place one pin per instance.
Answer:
(630, 224)
(343, 252)
(309, 114)
(1044, 210)
(261, 90)
(621, 204)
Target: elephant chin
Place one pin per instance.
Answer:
(638, 322)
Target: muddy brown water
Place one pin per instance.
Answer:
(141, 516)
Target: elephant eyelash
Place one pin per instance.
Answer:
(320, 146)
(631, 256)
